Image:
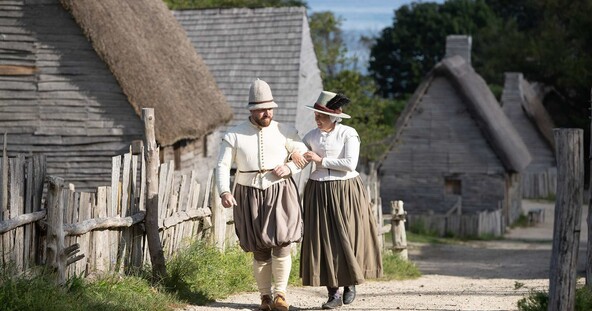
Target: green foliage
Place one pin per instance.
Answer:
(106, 293)
(535, 301)
(202, 273)
(206, 4)
(395, 268)
(412, 46)
(539, 300)
(372, 116)
(328, 43)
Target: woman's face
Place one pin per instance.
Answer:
(324, 122)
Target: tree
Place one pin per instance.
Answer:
(415, 43)
(372, 116)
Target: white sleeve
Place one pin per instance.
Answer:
(350, 159)
(225, 160)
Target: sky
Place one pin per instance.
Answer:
(361, 17)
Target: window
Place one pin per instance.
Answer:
(452, 186)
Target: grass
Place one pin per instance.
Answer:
(539, 300)
(198, 275)
(110, 293)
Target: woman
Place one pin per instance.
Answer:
(340, 245)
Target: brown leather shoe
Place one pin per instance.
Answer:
(280, 303)
(266, 303)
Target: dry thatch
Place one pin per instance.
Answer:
(157, 67)
(533, 106)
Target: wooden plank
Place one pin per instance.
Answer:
(10, 70)
(29, 230)
(101, 237)
(17, 182)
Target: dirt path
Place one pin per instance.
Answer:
(479, 275)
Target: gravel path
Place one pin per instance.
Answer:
(477, 275)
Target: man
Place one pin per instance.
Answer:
(267, 215)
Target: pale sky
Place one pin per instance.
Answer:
(362, 15)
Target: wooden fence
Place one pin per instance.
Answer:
(463, 225)
(102, 230)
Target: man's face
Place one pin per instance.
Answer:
(262, 117)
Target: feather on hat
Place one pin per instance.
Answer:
(331, 104)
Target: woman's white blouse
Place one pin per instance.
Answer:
(339, 149)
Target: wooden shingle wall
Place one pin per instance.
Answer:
(273, 44)
(540, 177)
(71, 108)
(442, 141)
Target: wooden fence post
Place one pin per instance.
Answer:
(589, 220)
(152, 163)
(55, 229)
(398, 229)
(568, 212)
(218, 215)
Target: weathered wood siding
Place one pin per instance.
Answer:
(540, 177)
(442, 141)
(273, 44)
(199, 155)
(72, 108)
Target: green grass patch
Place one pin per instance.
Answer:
(539, 300)
(395, 268)
(107, 293)
(202, 273)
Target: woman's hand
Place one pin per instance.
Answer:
(298, 159)
(311, 156)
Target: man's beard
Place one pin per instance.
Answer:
(263, 122)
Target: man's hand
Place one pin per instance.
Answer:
(281, 171)
(298, 159)
(228, 200)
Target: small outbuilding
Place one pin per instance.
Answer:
(455, 159)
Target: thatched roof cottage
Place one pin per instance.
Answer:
(455, 159)
(522, 103)
(76, 74)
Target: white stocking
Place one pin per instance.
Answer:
(281, 272)
(262, 273)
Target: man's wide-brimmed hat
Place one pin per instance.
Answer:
(330, 103)
(260, 96)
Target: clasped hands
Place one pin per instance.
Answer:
(301, 160)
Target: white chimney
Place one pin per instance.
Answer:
(459, 45)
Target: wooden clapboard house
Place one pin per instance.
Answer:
(273, 44)
(522, 102)
(455, 159)
(76, 74)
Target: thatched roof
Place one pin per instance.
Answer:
(482, 105)
(155, 64)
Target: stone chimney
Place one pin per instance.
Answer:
(459, 45)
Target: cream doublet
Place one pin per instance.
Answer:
(255, 148)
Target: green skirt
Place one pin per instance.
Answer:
(340, 246)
